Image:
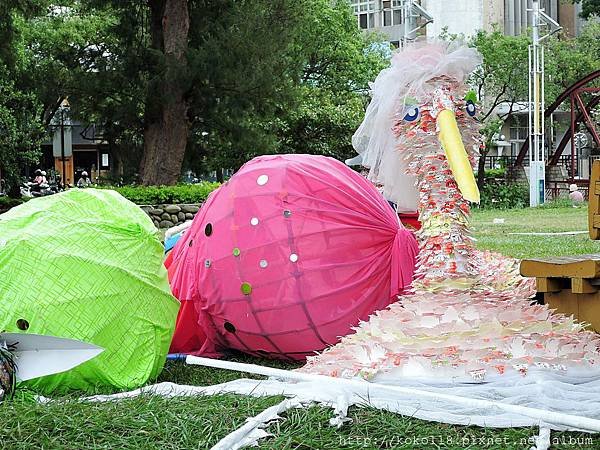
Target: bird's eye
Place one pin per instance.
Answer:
(412, 114)
(471, 108)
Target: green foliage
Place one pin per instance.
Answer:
(76, 54)
(157, 195)
(568, 60)
(244, 69)
(297, 86)
(263, 76)
(503, 195)
(495, 173)
(20, 108)
(6, 203)
(589, 8)
(489, 129)
(503, 74)
(20, 130)
(340, 62)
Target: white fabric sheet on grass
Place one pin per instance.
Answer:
(549, 391)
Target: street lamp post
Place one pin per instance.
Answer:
(411, 11)
(537, 169)
(537, 156)
(62, 143)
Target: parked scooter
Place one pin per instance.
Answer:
(31, 190)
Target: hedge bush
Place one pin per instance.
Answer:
(157, 195)
(495, 173)
(498, 194)
(6, 203)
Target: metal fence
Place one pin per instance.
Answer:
(556, 190)
(495, 162)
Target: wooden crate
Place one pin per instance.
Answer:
(570, 284)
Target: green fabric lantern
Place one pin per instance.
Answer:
(87, 264)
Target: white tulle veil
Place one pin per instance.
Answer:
(410, 70)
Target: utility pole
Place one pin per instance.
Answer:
(62, 141)
(411, 11)
(62, 146)
(537, 160)
(410, 22)
(536, 107)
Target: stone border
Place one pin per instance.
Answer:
(170, 215)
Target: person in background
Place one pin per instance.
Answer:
(575, 195)
(84, 181)
(40, 178)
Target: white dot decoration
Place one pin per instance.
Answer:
(287, 213)
(262, 180)
(263, 263)
(254, 221)
(207, 263)
(293, 257)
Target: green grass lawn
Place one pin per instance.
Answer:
(196, 423)
(498, 237)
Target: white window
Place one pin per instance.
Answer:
(392, 12)
(364, 10)
(519, 128)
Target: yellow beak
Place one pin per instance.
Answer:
(456, 154)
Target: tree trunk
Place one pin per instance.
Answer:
(166, 123)
(481, 168)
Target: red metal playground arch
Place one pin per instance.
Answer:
(580, 112)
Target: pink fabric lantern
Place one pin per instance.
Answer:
(285, 258)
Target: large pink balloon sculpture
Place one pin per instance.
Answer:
(285, 258)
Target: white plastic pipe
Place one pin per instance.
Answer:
(568, 420)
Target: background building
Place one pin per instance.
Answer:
(84, 150)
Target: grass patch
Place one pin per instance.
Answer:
(147, 422)
(156, 423)
(550, 219)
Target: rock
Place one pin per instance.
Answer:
(165, 216)
(165, 224)
(156, 223)
(174, 218)
(146, 209)
(181, 216)
(189, 216)
(172, 209)
(156, 211)
(192, 209)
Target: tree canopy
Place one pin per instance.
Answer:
(502, 79)
(205, 85)
(20, 129)
(239, 78)
(589, 8)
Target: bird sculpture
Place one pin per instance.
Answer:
(469, 315)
